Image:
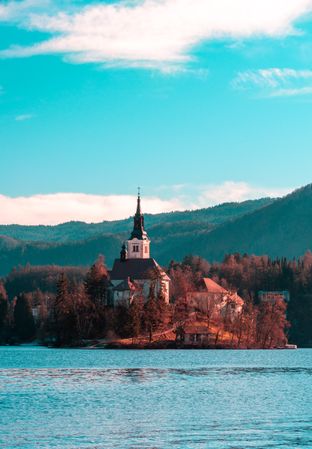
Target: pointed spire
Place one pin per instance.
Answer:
(138, 211)
(138, 225)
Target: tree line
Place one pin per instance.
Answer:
(248, 275)
(76, 308)
(66, 306)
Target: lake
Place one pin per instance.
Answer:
(127, 399)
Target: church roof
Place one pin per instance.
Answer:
(212, 287)
(134, 269)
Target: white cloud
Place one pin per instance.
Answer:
(61, 207)
(292, 92)
(272, 77)
(12, 10)
(275, 82)
(23, 117)
(231, 191)
(157, 33)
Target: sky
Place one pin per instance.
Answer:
(197, 101)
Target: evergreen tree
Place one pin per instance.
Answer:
(63, 314)
(136, 311)
(96, 283)
(4, 313)
(23, 318)
(97, 290)
(122, 320)
(163, 310)
(151, 317)
(156, 311)
(300, 316)
(151, 312)
(85, 313)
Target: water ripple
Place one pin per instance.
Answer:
(242, 405)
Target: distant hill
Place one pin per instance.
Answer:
(283, 228)
(79, 253)
(76, 230)
(77, 243)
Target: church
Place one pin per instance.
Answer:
(136, 272)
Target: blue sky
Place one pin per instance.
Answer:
(197, 102)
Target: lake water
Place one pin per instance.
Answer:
(60, 398)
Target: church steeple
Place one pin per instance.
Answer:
(138, 222)
(138, 211)
(138, 243)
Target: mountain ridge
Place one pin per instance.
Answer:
(70, 249)
(78, 230)
(280, 229)
(275, 227)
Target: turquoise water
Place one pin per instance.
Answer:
(59, 398)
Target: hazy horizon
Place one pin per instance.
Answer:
(44, 210)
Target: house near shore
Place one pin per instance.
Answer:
(194, 334)
(135, 272)
(212, 299)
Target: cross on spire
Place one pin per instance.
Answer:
(138, 211)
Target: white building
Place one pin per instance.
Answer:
(213, 299)
(136, 272)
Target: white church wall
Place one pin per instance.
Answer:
(138, 249)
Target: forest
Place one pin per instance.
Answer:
(278, 228)
(80, 243)
(70, 305)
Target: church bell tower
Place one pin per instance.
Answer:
(138, 245)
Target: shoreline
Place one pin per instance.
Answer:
(150, 346)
